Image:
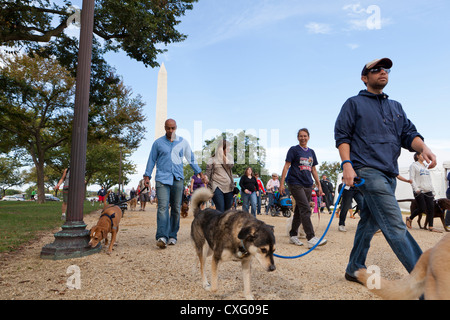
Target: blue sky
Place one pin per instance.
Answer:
(275, 66)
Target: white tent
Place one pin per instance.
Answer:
(404, 189)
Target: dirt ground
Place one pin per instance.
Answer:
(138, 270)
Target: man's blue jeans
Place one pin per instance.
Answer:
(167, 226)
(380, 210)
(247, 200)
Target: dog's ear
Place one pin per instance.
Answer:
(246, 233)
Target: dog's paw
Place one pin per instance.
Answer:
(249, 297)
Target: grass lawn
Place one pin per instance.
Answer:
(22, 221)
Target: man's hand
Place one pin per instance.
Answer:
(429, 157)
(418, 145)
(349, 175)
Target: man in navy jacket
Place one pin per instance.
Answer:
(370, 131)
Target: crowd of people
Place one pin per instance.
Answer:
(369, 132)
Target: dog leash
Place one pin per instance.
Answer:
(328, 226)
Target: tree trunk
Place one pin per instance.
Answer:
(40, 181)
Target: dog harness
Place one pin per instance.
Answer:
(110, 218)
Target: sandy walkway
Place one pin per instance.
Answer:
(137, 269)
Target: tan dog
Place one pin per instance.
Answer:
(133, 204)
(430, 277)
(108, 223)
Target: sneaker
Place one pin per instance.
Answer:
(342, 229)
(295, 240)
(172, 241)
(312, 242)
(161, 243)
(63, 217)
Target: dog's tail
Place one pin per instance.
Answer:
(408, 288)
(104, 199)
(198, 197)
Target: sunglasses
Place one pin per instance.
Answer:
(377, 70)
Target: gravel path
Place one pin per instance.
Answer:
(138, 270)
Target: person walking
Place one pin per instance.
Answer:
(249, 191)
(262, 191)
(369, 133)
(220, 176)
(447, 215)
(167, 155)
(327, 188)
(196, 182)
(144, 189)
(101, 194)
(272, 186)
(299, 166)
(64, 180)
(423, 191)
(346, 204)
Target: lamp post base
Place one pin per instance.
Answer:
(71, 242)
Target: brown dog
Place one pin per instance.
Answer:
(184, 209)
(440, 205)
(430, 277)
(133, 204)
(108, 223)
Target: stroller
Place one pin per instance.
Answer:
(120, 201)
(281, 203)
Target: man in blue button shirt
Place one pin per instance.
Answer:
(167, 154)
(370, 131)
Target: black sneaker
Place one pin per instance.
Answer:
(352, 278)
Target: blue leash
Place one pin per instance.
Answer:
(329, 223)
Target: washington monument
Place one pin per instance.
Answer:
(161, 108)
(161, 102)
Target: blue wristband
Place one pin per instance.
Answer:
(344, 162)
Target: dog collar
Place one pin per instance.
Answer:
(242, 253)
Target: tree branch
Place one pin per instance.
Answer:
(18, 36)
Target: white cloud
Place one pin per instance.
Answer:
(354, 8)
(249, 17)
(353, 46)
(318, 28)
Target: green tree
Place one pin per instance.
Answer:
(36, 112)
(103, 164)
(331, 170)
(246, 152)
(10, 175)
(138, 27)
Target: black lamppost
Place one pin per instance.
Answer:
(72, 241)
